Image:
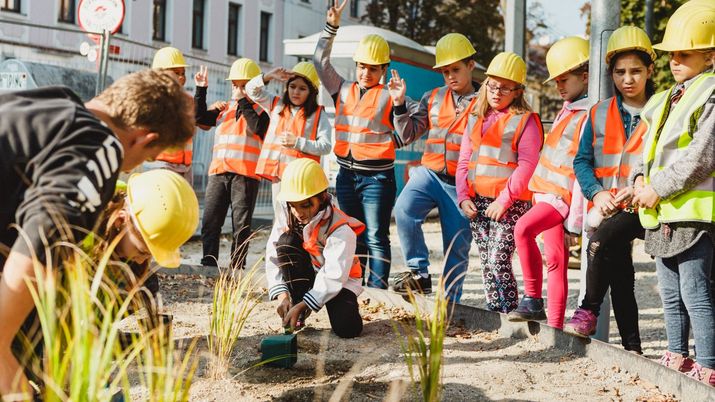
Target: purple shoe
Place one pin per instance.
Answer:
(582, 324)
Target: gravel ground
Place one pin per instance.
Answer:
(478, 365)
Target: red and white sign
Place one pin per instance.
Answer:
(98, 15)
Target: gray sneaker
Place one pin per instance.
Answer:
(415, 282)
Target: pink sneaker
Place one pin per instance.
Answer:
(676, 361)
(702, 374)
(582, 324)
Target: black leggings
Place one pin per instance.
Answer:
(610, 264)
(299, 275)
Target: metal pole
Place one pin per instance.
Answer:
(515, 27)
(103, 62)
(649, 18)
(605, 18)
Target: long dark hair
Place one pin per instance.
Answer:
(647, 62)
(311, 103)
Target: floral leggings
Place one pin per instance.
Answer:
(495, 242)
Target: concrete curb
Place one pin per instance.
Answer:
(604, 354)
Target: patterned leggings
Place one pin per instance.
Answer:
(495, 242)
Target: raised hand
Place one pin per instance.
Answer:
(201, 78)
(218, 105)
(335, 11)
(397, 88)
(279, 73)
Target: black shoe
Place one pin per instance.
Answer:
(415, 282)
(529, 309)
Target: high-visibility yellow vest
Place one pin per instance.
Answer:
(666, 143)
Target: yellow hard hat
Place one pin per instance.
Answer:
(451, 48)
(166, 212)
(302, 179)
(691, 27)
(372, 49)
(508, 65)
(307, 70)
(243, 69)
(168, 57)
(628, 38)
(565, 55)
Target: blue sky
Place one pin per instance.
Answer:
(562, 17)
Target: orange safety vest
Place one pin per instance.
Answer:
(445, 130)
(179, 156)
(494, 155)
(613, 155)
(274, 157)
(362, 125)
(554, 174)
(236, 150)
(315, 244)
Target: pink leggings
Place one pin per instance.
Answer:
(542, 217)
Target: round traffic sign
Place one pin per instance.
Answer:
(99, 15)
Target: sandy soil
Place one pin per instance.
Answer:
(478, 365)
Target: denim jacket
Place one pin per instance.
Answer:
(583, 163)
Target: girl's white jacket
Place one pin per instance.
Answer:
(339, 252)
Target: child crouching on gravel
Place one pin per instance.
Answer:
(310, 255)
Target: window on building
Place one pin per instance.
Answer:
(265, 36)
(10, 5)
(305, 1)
(234, 12)
(67, 11)
(159, 20)
(197, 34)
(354, 8)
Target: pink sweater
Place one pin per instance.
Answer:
(528, 156)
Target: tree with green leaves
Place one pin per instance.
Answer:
(425, 21)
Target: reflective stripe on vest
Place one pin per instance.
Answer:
(178, 156)
(274, 157)
(613, 155)
(362, 125)
(666, 142)
(494, 154)
(445, 129)
(235, 150)
(319, 236)
(554, 173)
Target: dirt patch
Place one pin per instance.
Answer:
(477, 365)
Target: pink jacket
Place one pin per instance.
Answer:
(528, 156)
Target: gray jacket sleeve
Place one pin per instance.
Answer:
(413, 124)
(330, 78)
(322, 144)
(699, 162)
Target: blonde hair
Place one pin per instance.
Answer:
(518, 106)
(152, 100)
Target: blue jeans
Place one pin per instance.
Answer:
(369, 197)
(423, 192)
(687, 300)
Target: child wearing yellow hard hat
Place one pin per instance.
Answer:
(232, 177)
(675, 189)
(442, 115)
(299, 127)
(364, 142)
(310, 255)
(179, 160)
(553, 185)
(497, 157)
(610, 145)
